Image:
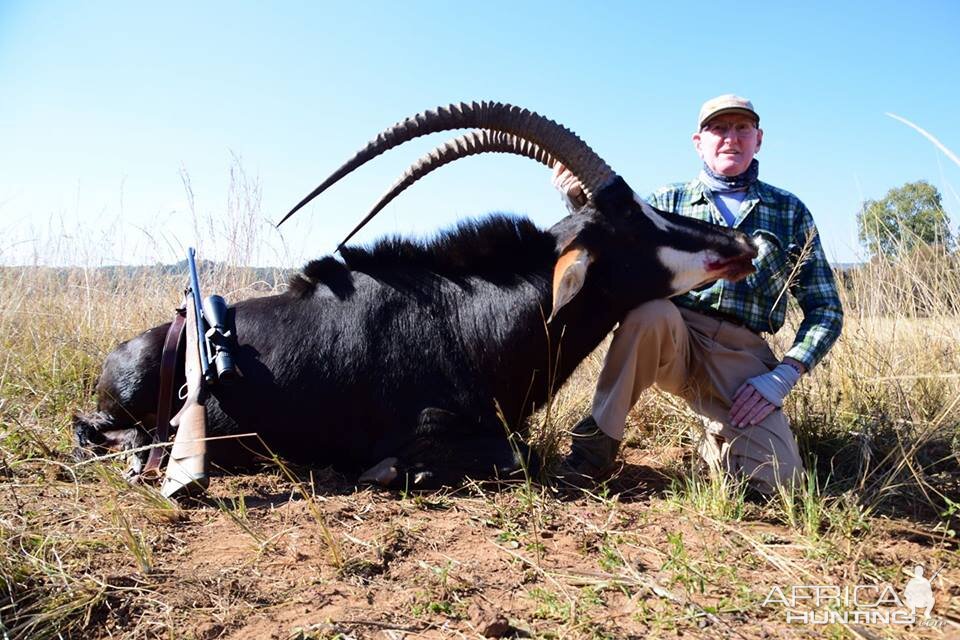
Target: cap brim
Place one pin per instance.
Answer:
(741, 110)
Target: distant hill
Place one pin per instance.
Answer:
(114, 274)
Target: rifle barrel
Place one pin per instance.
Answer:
(195, 287)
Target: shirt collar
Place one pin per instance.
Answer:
(756, 191)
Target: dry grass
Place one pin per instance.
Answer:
(882, 414)
(658, 552)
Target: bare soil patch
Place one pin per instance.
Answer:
(264, 558)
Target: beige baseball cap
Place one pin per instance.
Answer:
(727, 103)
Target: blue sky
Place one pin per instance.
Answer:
(105, 106)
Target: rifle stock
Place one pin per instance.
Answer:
(187, 468)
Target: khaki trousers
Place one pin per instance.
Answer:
(703, 360)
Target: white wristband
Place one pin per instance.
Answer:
(775, 385)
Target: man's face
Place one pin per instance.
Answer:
(728, 143)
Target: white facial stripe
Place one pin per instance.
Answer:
(688, 267)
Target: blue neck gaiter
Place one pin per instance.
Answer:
(716, 182)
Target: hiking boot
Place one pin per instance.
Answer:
(592, 455)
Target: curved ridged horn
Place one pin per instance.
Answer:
(473, 143)
(559, 141)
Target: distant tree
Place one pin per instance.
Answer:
(908, 217)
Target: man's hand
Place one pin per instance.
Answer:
(760, 395)
(749, 407)
(569, 187)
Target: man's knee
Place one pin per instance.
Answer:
(782, 470)
(767, 454)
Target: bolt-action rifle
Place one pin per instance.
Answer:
(208, 361)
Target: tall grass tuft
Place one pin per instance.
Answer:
(882, 413)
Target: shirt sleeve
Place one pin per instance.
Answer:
(815, 290)
(663, 198)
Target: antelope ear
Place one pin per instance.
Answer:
(568, 276)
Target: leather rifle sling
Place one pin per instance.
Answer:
(168, 366)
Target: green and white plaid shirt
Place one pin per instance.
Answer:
(790, 259)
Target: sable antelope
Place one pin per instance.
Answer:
(411, 356)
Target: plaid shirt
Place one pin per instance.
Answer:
(790, 259)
